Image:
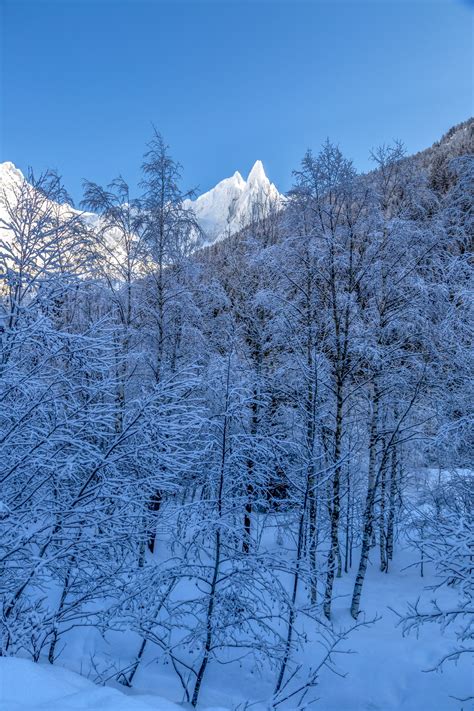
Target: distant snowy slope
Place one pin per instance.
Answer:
(10, 180)
(229, 206)
(9, 174)
(17, 192)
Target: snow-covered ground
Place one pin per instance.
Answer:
(385, 671)
(389, 672)
(26, 686)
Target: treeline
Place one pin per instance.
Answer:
(195, 444)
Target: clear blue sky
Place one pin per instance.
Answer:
(226, 82)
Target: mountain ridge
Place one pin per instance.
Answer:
(220, 212)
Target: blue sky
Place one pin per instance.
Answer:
(226, 82)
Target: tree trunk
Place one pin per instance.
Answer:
(348, 524)
(154, 506)
(391, 505)
(250, 489)
(292, 612)
(369, 509)
(248, 514)
(382, 536)
(313, 541)
(335, 508)
(217, 557)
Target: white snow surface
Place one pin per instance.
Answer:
(228, 207)
(9, 174)
(10, 179)
(26, 686)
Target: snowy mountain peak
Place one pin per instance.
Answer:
(257, 174)
(229, 206)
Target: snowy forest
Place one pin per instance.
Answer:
(239, 474)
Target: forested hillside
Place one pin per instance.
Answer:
(209, 458)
